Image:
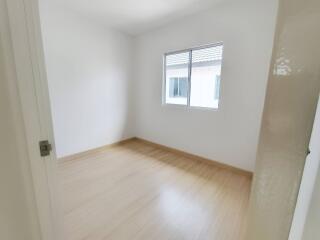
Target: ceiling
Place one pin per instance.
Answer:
(136, 16)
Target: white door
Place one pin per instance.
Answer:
(27, 51)
(308, 181)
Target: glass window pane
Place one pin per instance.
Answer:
(177, 70)
(205, 77)
(183, 87)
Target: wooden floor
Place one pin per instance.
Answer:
(138, 191)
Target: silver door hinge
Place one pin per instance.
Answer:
(45, 148)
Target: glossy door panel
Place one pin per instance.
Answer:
(290, 105)
(308, 186)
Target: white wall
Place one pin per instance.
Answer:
(229, 135)
(89, 72)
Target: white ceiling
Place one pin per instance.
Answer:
(136, 16)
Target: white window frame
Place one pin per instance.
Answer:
(164, 81)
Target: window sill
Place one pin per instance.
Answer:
(189, 108)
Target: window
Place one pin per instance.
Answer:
(177, 78)
(178, 87)
(192, 77)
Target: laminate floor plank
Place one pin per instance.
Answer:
(136, 191)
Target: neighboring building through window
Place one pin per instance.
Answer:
(178, 87)
(192, 77)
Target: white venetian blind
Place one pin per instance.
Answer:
(177, 59)
(210, 54)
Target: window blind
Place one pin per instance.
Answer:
(177, 59)
(209, 54)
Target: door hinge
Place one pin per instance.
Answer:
(45, 148)
(308, 151)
